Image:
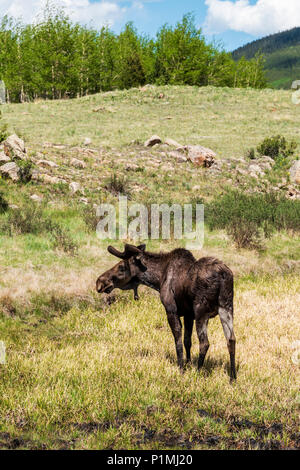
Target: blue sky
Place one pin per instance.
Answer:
(233, 22)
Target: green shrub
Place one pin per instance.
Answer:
(247, 218)
(250, 154)
(30, 218)
(90, 217)
(277, 146)
(3, 130)
(25, 170)
(3, 203)
(118, 185)
(22, 220)
(62, 239)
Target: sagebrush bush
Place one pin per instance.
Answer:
(89, 215)
(31, 218)
(3, 203)
(118, 185)
(277, 146)
(247, 218)
(25, 171)
(3, 129)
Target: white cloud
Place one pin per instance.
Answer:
(99, 13)
(265, 17)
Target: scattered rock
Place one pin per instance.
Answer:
(295, 172)
(200, 156)
(293, 193)
(87, 141)
(74, 187)
(14, 147)
(55, 146)
(173, 143)
(256, 170)
(49, 179)
(196, 188)
(10, 170)
(47, 163)
(84, 200)
(77, 163)
(36, 198)
(131, 167)
(177, 156)
(155, 139)
(4, 158)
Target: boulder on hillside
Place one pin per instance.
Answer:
(4, 158)
(10, 170)
(74, 187)
(173, 143)
(47, 163)
(155, 139)
(200, 156)
(295, 172)
(14, 147)
(77, 163)
(180, 157)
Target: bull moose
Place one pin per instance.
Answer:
(189, 288)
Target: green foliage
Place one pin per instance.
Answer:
(276, 147)
(3, 129)
(118, 185)
(55, 58)
(61, 238)
(250, 154)
(90, 218)
(31, 218)
(3, 203)
(249, 217)
(282, 56)
(25, 170)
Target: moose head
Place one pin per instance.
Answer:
(123, 274)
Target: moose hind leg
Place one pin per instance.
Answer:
(188, 330)
(176, 327)
(201, 327)
(226, 317)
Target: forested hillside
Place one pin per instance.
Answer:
(56, 58)
(282, 56)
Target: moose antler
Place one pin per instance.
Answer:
(130, 250)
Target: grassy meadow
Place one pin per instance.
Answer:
(85, 371)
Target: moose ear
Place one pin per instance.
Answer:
(142, 247)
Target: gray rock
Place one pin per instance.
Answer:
(87, 141)
(255, 169)
(178, 156)
(10, 170)
(4, 158)
(77, 163)
(155, 139)
(200, 156)
(173, 143)
(295, 172)
(47, 163)
(296, 85)
(14, 147)
(74, 187)
(36, 198)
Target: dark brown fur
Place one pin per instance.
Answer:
(195, 290)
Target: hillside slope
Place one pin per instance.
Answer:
(282, 54)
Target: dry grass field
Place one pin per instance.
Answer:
(85, 371)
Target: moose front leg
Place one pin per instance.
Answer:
(136, 295)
